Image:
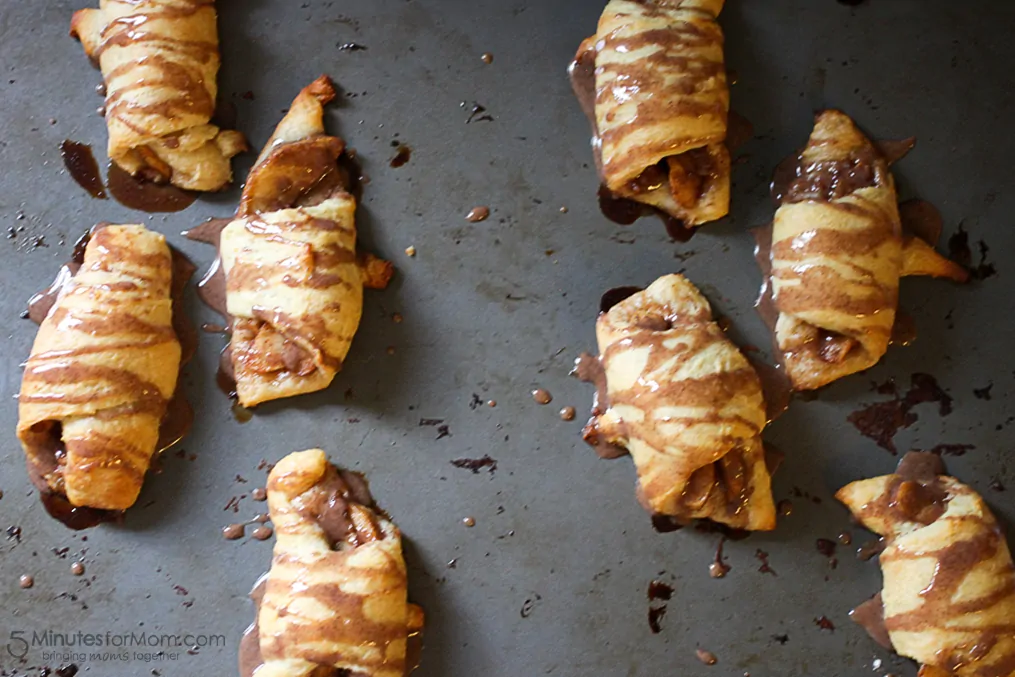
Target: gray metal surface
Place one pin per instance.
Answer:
(488, 309)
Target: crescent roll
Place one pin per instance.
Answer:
(336, 598)
(160, 60)
(661, 101)
(837, 254)
(948, 599)
(294, 284)
(102, 371)
(686, 404)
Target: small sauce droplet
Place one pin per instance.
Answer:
(402, 156)
(77, 568)
(491, 403)
(706, 657)
(262, 533)
(567, 414)
(234, 532)
(845, 538)
(542, 396)
(487, 58)
(242, 414)
(478, 214)
(469, 522)
(26, 581)
(259, 494)
(785, 507)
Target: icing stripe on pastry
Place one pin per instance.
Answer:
(686, 404)
(660, 105)
(948, 599)
(336, 598)
(102, 371)
(837, 254)
(160, 61)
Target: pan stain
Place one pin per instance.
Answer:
(765, 568)
(881, 421)
(478, 113)
(658, 594)
(657, 590)
(529, 604)
(983, 393)
(781, 639)
(952, 449)
(960, 252)
(826, 547)
(476, 464)
(825, 624)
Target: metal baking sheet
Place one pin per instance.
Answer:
(552, 578)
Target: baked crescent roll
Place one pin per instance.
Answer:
(687, 405)
(337, 594)
(661, 104)
(102, 371)
(837, 254)
(294, 284)
(160, 60)
(949, 582)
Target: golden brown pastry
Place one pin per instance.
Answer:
(336, 598)
(948, 599)
(294, 284)
(685, 403)
(837, 254)
(660, 105)
(160, 61)
(102, 371)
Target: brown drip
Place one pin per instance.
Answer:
(589, 368)
(147, 196)
(177, 414)
(81, 165)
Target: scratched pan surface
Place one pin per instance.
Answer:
(552, 578)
